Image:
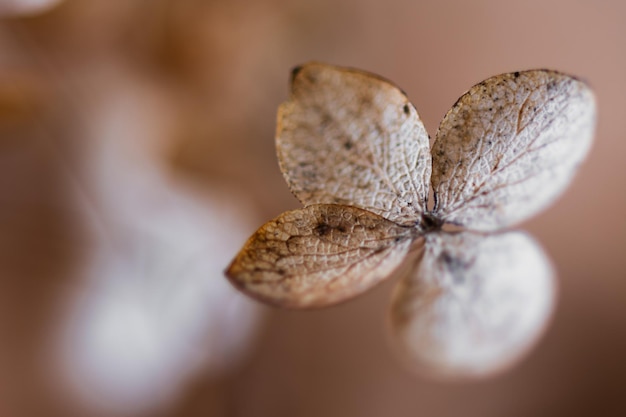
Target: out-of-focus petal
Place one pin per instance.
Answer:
(10, 8)
(474, 305)
(154, 308)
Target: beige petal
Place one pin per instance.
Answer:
(349, 137)
(509, 147)
(319, 255)
(474, 305)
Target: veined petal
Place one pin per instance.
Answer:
(510, 146)
(475, 304)
(319, 255)
(350, 137)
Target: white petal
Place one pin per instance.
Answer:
(475, 304)
(152, 308)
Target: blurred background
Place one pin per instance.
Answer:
(137, 155)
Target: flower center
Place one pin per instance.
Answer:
(429, 223)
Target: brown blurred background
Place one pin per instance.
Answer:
(133, 126)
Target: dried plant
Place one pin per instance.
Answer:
(354, 151)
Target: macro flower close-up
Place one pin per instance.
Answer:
(379, 201)
(312, 208)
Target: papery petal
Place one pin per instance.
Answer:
(319, 255)
(349, 137)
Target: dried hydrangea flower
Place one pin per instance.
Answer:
(354, 151)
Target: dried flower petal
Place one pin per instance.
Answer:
(509, 147)
(475, 304)
(319, 255)
(349, 137)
